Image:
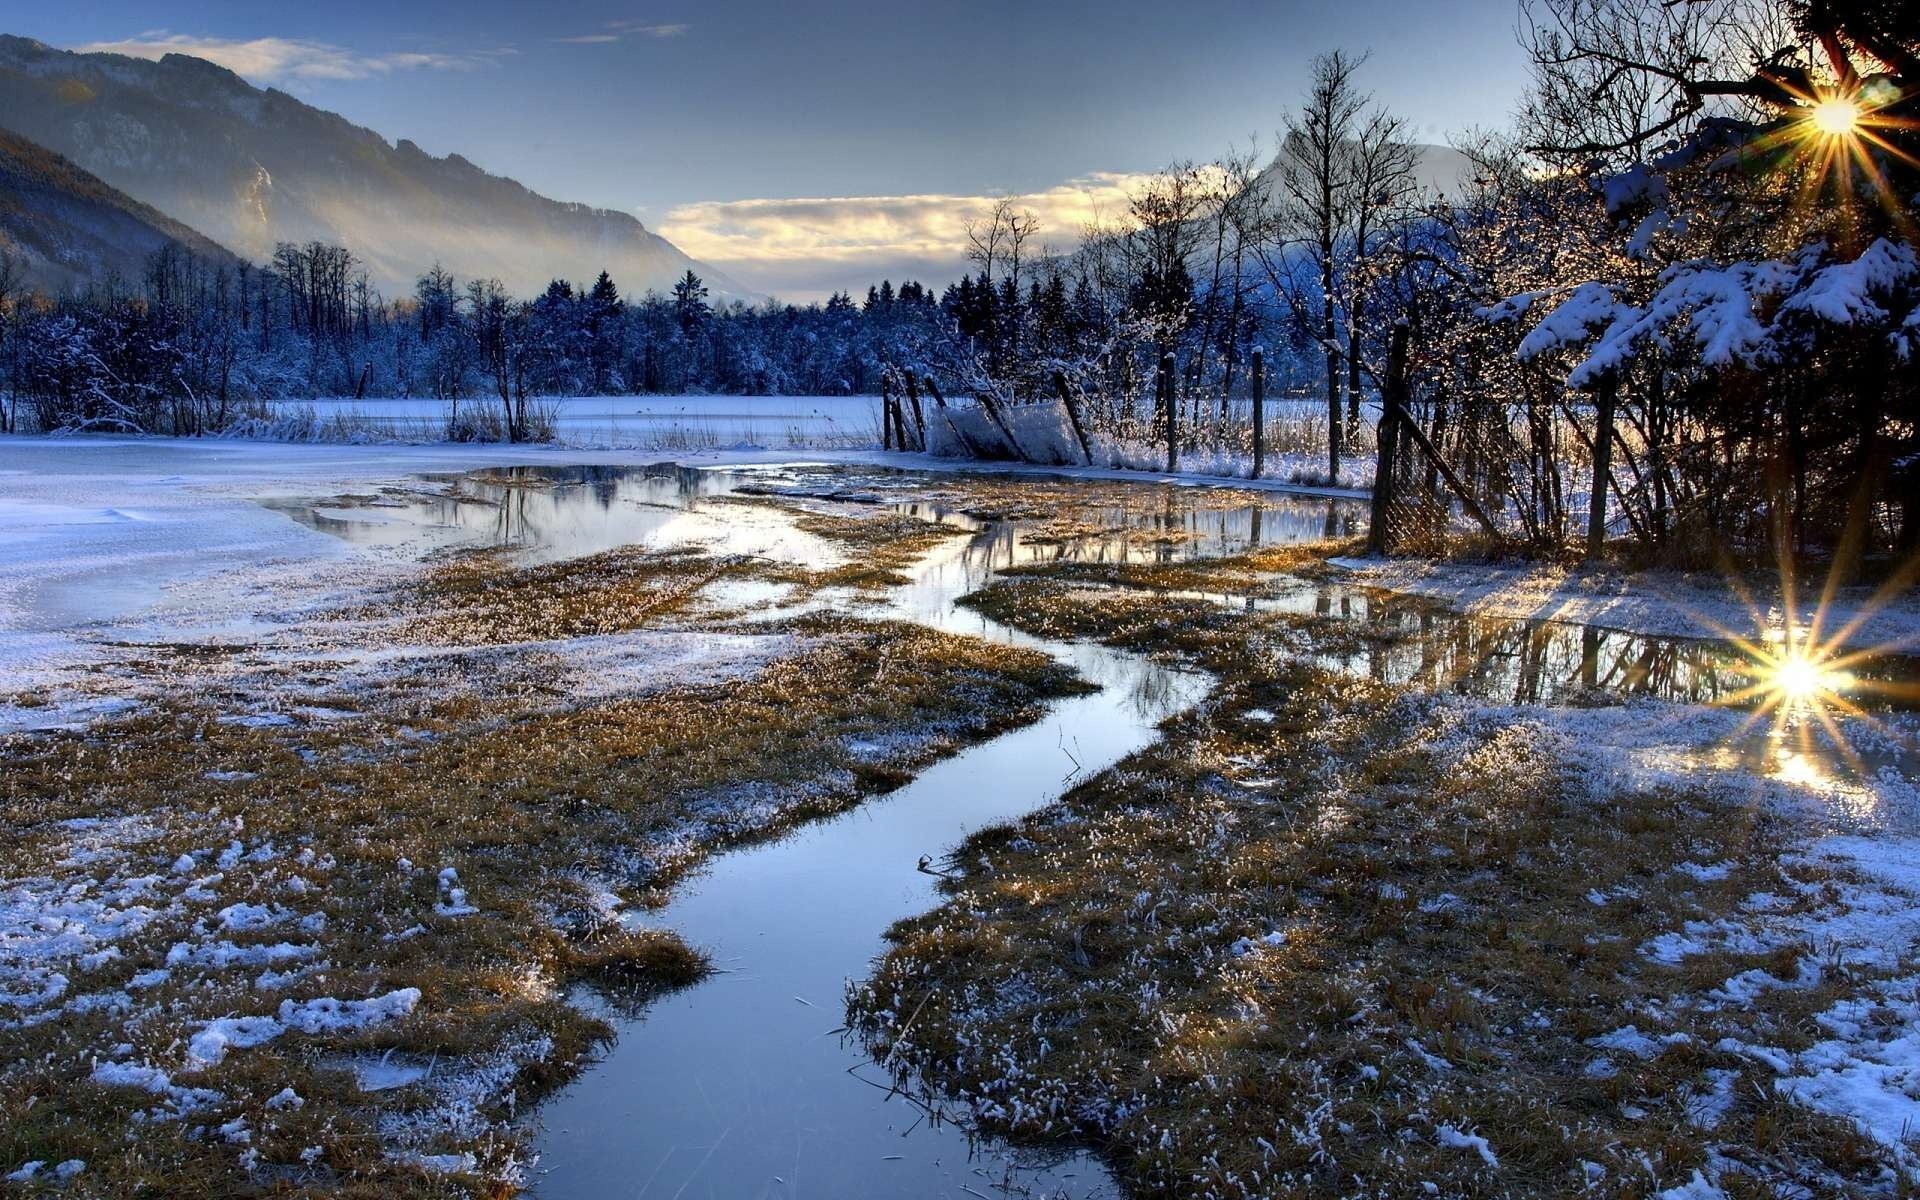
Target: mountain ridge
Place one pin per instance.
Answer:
(252, 166)
(69, 228)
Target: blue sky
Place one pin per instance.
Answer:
(675, 110)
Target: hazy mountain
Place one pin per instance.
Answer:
(251, 167)
(1437, 170)
(69, 228)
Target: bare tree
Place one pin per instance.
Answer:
(1383, 182)
(999, 239)
(1618, 77)
(1315, 179)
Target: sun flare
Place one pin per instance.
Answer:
(1836, 116)
(1801, 678)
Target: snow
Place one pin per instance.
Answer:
(1698, 1187)
(1629, 1040)
(1637, 185)
(453, 897)
(209, 1047)
(1848, 292)
(1588, 307)
(1455, 1139)
(1719, 308)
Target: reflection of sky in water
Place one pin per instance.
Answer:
(742, 1081)
(576, 511)
(556, 513)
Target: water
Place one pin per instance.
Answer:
(744, 1086)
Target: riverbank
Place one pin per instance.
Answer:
(252, 739)
(1337, 938)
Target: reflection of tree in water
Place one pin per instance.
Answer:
(1412, 642)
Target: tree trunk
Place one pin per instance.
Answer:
(1602, 465)
(1169, 407)
(1393, 399)
(1333, 379)
(1259, 410)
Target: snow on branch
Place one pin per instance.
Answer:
(1846, 293)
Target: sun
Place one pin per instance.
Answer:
(1800, 678)
(1836, 116)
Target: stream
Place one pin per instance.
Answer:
(744, 1085)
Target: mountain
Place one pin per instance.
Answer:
(1437, 170)
(69, 228)
(251, 167)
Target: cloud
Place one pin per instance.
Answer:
(802, 249)
(841, 229)
(275, 59)
(617, 31)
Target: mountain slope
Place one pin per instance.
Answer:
(251, 167)
(69, 228)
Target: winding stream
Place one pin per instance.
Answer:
(744, 1086)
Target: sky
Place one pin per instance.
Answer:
(809, 146)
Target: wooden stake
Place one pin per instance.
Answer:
(1073, 414)
(1259, 410)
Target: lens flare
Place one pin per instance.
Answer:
(1836, 116)
(1801, 678)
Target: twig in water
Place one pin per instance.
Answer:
(1069, 754)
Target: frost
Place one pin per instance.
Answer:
(1455, 1139)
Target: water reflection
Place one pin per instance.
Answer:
(552, 513)
(742, 1086)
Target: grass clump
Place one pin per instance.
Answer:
(1328, 934)
(467, 822)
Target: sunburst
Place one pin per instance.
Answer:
(1806, 675)
(1845, 133)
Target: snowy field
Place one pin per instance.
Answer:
(668, 422)
(105, 542)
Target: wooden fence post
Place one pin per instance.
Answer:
(886, 411)
(1602, 465)
(919, 417)
(1259, 410)
(1393, 399)
(1169, 408)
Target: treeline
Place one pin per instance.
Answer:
(1688, 325)
(193, 347)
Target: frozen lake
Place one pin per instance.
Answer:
(650, 422)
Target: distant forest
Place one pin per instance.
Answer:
(194, 346)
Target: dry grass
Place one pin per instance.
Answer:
(1422, 951)
(552, 811)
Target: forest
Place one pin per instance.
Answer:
(1673, 308)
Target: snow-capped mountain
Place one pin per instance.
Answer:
(250, 167)
(67, 228)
